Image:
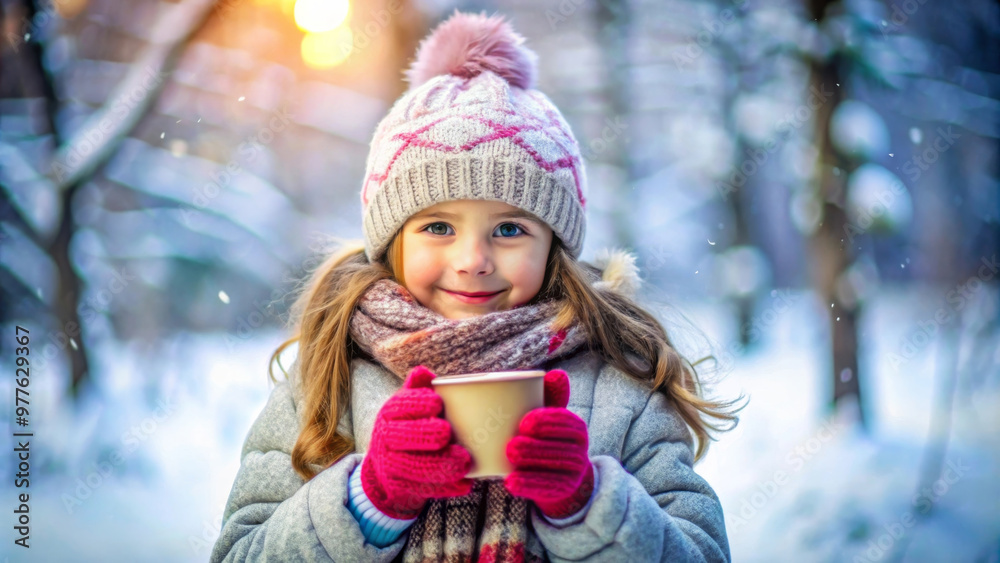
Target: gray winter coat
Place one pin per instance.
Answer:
(649, 504)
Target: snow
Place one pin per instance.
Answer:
(797, 483)
(176, 419)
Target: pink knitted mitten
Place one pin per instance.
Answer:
(413, 457)
(549, 454)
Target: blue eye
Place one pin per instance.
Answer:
(505, 232)
(518, 227)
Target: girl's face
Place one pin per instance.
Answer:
(474, 247)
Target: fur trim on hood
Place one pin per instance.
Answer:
(620, 274)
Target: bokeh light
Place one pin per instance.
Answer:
(318, 16)
(328, 49)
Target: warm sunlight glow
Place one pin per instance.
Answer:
(325, 50)
(68, 9)
(287, 7)
(317, 16)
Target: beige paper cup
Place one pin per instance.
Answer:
(485, 409)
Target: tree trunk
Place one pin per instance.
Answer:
(612, 18)
(832, 250)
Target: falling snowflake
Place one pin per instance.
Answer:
(223, 296)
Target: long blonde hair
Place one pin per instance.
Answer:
(617, 327)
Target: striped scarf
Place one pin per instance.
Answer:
(489, 524)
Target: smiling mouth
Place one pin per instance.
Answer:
(476, 294)
(479, 298)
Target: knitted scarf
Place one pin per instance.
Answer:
(489, 524)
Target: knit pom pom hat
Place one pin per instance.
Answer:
(471, 126)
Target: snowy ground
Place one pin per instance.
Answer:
(148, 483)
(800, 484)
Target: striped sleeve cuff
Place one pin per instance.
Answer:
(379, 529)
(579, 515)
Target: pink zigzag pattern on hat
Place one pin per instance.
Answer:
(499, 131)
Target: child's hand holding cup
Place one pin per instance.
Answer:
(516, 425)
(412, 457)
(512, 425)
(485, 409)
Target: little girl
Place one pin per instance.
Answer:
(473, 204)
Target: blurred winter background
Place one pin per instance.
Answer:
(811, 189)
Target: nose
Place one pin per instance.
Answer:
(474, 256)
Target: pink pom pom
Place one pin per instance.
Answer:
(467, 44)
